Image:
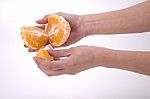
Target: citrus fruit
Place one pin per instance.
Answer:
(56, 33)
(34, 37)
(58, 30)
(43, 54)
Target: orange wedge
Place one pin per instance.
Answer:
(58, 30)
(56, 33)
(43, 54)
(34, 37)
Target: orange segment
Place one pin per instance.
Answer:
(58, 30)
(53, 22)
(56, 33)
(43, 54)
(57, 39)
(34, 37)
(30, 28)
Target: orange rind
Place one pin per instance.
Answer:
(34, 37)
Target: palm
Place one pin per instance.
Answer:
(77, 31)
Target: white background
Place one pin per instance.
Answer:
(21, 79)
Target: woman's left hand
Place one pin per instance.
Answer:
(76, 59)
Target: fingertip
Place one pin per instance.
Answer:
(25, 46)
(36, 21)
(36, 60)
(39, 21)
(44, 20)
(32, 50)
(47, 47)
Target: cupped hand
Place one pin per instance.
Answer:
(77, 59)
(77, 29)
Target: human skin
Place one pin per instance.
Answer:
(135, 19)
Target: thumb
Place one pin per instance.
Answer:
(60, 53)
(44, 20)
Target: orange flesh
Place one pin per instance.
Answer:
(34, 37)
(30, 28)
(56, 39)
(58, 30)
(43, 54)
(52, 20)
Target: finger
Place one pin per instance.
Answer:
(65, 44)
(60, 53)
(50, 65)
(41, 27)
(49, 71)
(54, 73)
(57, 72)
(25, 46)
(44, 20)
(32, 50)
(40, 63)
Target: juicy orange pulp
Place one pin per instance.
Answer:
(43, 54)
(34, 37)
(58, 30)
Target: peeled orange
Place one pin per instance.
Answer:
(56, 33)
(34, 37)
(43, 54)
(58, 30)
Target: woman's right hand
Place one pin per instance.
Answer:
(76, 23)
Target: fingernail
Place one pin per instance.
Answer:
(25, 46)
(34, 58)
(37, 20)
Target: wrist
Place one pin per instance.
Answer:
(86, 23)
(105, 57)
(92, 23)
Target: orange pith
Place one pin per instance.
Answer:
(34, 37)
(43, 54)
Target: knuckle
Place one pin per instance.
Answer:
(48, 75)
(58, 53)
(59, 13)
(45, 16)
(73, 73)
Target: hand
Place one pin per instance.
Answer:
(77, 59)
(77, 29)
